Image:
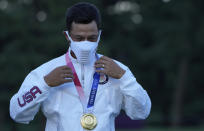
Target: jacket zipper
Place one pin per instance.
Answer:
(82, 75)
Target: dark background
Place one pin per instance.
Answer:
(161, 41)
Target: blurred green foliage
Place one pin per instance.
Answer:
(160, 40)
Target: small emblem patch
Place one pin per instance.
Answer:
(103, 79)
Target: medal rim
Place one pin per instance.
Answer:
(88, 127)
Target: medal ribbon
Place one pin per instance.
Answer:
(79, 88)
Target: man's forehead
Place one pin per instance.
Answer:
(82, 29)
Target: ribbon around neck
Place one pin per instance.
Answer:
(92, 96)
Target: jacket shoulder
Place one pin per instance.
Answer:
(50, 65)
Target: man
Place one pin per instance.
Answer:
(80, 90)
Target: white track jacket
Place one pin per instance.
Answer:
(61, 105)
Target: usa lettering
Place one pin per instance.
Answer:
(29, 96)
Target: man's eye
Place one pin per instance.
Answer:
(79, 38)
(92, 39)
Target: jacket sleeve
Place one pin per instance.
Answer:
(26, 102)
(136, 101)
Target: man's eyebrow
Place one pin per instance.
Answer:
(77, 35)
(93, 35)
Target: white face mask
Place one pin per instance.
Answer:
(84, 50)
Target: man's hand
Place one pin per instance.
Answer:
(58, 76)
(110, 68)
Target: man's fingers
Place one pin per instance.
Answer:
(67, 72)
(101, 66)
(105, 58)
(67, 80)
(101, 71)
(67, 68)
(101, 62)
(68, 76)
(64, 67)
(102, 59)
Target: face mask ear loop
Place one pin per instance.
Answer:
(68, 36)
(99, 35)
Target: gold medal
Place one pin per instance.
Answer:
(88, 121)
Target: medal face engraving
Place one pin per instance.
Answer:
(88, 121)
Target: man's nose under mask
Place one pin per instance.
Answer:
(84, 50)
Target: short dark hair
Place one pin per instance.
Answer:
(82, 13)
